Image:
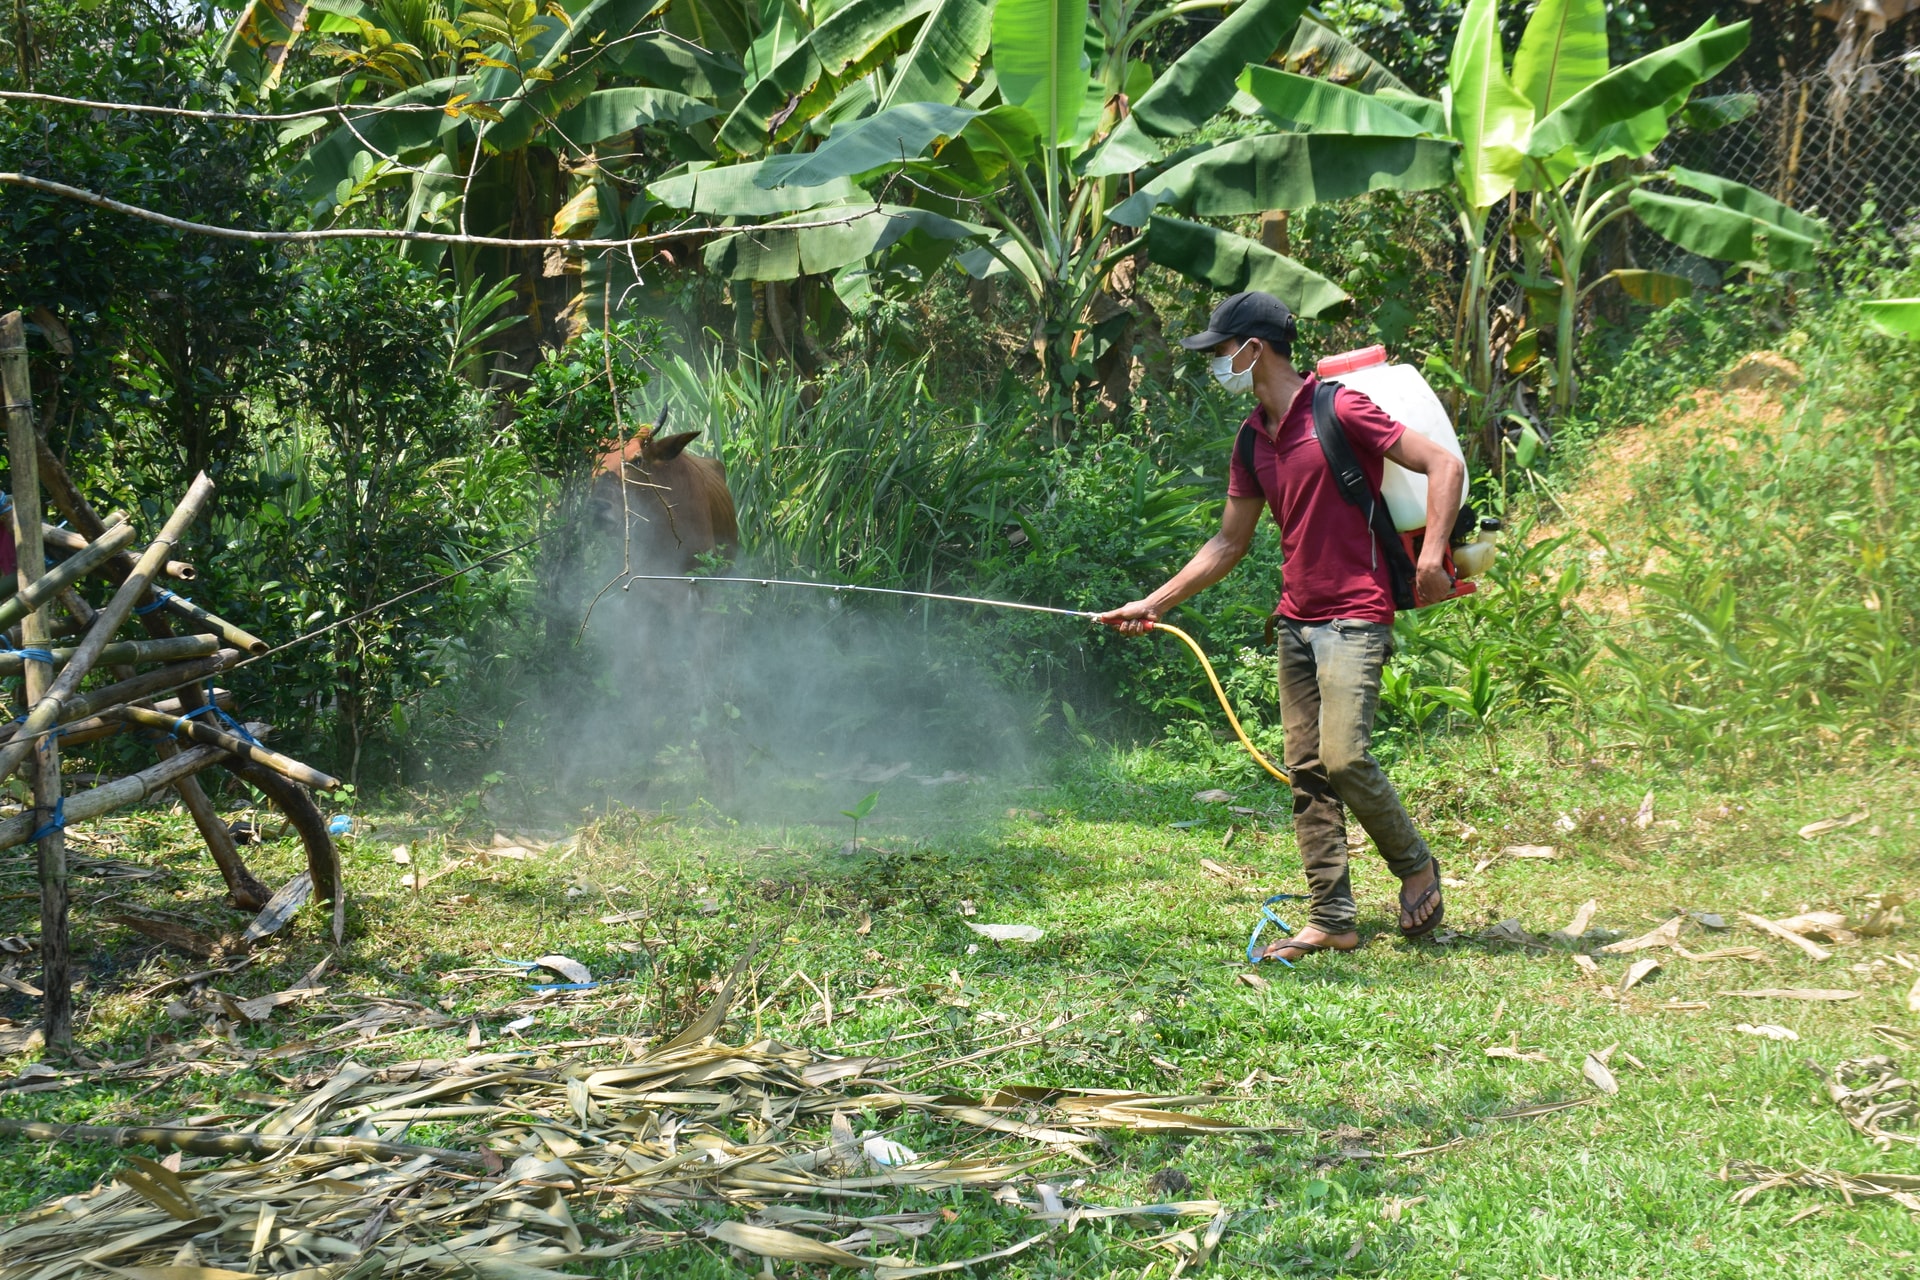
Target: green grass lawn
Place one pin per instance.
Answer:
(1138, 982)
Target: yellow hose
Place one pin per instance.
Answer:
(1221, 694)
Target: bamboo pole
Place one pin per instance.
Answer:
(47, 817)
(238, 637)
(225, 1142)
(285, 766)
(48, 584)
(94, 728)
(66, 540)
(47, 709)
(98, 801)
(143, 685)
(174, 649)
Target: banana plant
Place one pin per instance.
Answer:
(1018, 173)
(1558, 146)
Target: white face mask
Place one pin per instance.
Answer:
(1222, 367)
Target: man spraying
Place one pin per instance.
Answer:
(1335, 624)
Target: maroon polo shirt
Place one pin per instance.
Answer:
(1332, 568)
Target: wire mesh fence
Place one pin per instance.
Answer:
(1825, 147)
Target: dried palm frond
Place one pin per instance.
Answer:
(695, 1121)
(1876, 1100)
(1902, 1188)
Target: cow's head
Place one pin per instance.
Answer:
(647, 460)
(656, 449)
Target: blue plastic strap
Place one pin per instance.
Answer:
(1267, 917)
(180, 722)
(238, 730)
(58, 822)
(32, 654)
(159, 601)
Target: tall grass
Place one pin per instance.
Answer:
(862, 475)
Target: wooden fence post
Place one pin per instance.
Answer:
(23, 460)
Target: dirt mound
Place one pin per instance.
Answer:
(1609, 498)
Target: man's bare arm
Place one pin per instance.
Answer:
(1444, 472)
(1212, 562)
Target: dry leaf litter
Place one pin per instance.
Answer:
(663, 1140)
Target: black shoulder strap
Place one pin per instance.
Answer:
(1243, 449)
(1353, 486)
(1347, 475)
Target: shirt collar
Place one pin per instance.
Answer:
(1258, 418)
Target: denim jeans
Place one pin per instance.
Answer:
(1329, 691)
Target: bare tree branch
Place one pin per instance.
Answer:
(61, 189)
(369, 109)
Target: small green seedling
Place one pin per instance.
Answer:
(861, 810)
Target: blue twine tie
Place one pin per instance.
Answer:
(31, 654)
(58, 822)
(159, 601)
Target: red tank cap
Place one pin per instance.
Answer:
(1348, 361)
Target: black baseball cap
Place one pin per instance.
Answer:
(1247, 315)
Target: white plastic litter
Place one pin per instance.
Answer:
(887, 1153)
(1008, 932)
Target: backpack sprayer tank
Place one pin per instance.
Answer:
(1403, 395)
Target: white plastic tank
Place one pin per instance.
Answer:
(1404, 396)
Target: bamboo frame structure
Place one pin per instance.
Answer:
(174, 649)
(67, 707)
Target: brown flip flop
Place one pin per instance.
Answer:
(1432, 922)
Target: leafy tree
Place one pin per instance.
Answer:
(368, 497)
(166, 333)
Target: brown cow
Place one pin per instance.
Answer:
(674, 505)
(675, 508)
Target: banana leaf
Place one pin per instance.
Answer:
(1127, 149)
(1562, 51)
(891, 137)
(1653, 288)
(1715, 231)
(666, 61)
(1487, 115)
(1232, 263)
(944, 56)
(1201, 81)
(733, 191)
(611, 112)
(1290, 171)
(1317, 106)
(1039, 53)
(776, 105)
(1758, 204)
(1717, 111)
(1899, 317)
(1642, 85)
(776, 252)
(1325, 54)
